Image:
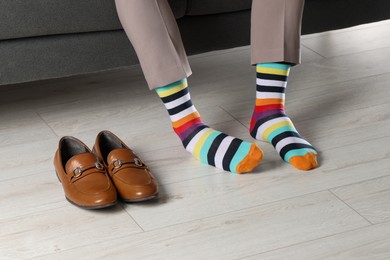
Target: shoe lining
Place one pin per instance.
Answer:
(107, 143)
(70, 148)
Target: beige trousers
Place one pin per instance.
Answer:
(155, 36)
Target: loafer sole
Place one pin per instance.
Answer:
(128, 200)
(92, 207)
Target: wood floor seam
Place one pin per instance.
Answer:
(132, 218)
(303, 44)
(337, 197)
(43, 120)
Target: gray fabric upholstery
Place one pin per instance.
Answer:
(202, 7)
(63, 55)
(21, 18)
(72, 54)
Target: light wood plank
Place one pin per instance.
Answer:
(370, 198)
(340, 69)
(18, 127)
(348, 128)
(371, 242)
(31, 157)
(331, 45)
(60, 229)
(348, 29)
(308, 55)
(234, 235)
(184, 201)
(30, 195)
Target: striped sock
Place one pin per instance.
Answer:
(206, 144)
(270, 123)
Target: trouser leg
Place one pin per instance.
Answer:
(152, 29)
(276, 31)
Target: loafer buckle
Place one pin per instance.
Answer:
(99, 166)
(77, 172)
(138, 162)
(117, 164)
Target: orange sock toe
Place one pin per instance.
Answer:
(251, 160)
(306, 162)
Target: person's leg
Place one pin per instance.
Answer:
(275, 40)
(276, 31)
(152, 29)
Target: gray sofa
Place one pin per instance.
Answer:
(44, 39)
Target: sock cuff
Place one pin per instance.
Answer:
(273, 65)
(172, 88)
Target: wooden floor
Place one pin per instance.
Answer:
(339, 99)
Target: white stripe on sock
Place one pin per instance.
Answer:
(271, 83)
(220, 154)
(177, 102)
(289, 140)
(268, 124)
(183, 113)
(191, 145)
(269, 95)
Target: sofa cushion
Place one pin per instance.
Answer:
(202, 7)
(21, 18)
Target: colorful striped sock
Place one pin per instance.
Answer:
(206, 144)
(270, 123)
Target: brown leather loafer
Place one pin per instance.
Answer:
(131, 176)
(84, 179)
